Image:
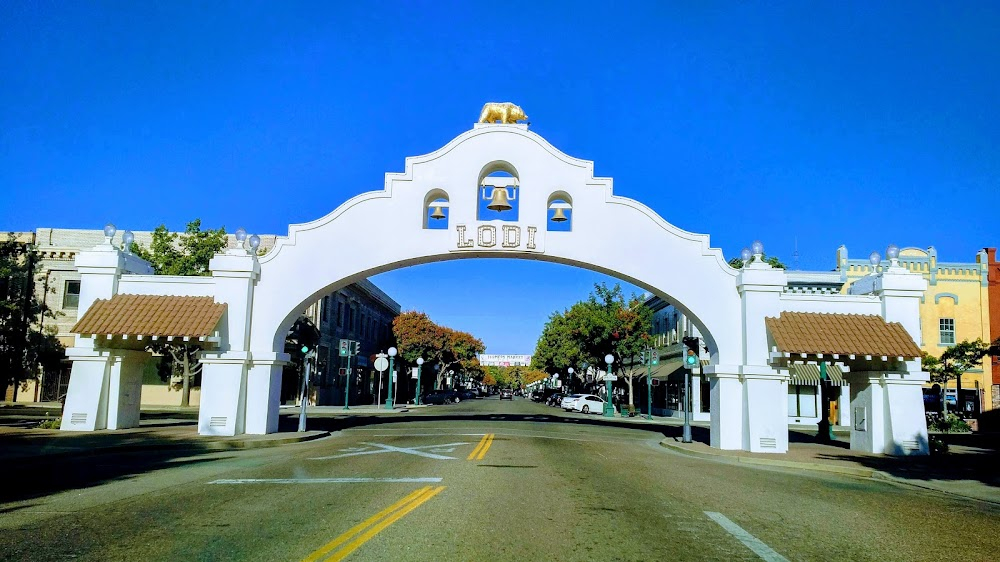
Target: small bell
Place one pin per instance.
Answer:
(498, 201)
(437, 213)
(559, 215)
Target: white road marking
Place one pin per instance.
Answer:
(753, 543)
(323, 480)
(380, 448)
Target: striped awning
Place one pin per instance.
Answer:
(808, 374)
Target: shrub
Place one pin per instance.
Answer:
(949, 424)
(49, 424)
(937, 445)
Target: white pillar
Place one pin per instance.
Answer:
(87, 399)
(264, 393)
(125, 387)
(845, 405)
(765, 390)
(222, 406)
(727, 419)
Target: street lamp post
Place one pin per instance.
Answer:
(609, 408)
(388, 399)
(420, 361)
(569, 381)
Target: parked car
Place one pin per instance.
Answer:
(568, 402)
(588, 403)
(555, 399)
(441, 396)
(506, 394)
(466, 394)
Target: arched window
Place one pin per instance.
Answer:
(436, 210)
(498, 188)
(560, 212)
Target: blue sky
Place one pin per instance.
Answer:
(816, 124)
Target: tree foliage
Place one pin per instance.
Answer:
(958, 359)
(606, 322)
(737, 263)
(443, 349)
(25, 347)
(186, 253)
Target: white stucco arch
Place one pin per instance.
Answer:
(383, 230)
(387, 229)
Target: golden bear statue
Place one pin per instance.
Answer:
(504, 112)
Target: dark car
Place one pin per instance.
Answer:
(506, 394)
(465, 394)
(442, 396)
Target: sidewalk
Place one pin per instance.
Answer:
(968, 472)
(23, 445)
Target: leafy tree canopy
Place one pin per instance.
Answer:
(25, 347)
(737, 263)
(186, 253)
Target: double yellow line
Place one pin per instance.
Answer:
(340, 547)
(479, 452)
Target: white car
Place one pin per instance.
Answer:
(587, 403)
(568, 401)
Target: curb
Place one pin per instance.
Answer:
(847, 470)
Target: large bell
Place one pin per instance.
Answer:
(559, 215)
(437, 213)
(498, 201)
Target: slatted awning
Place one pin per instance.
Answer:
(808, 373)
(151, 316)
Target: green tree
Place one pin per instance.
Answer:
(606, 322)
(737, 263)
(956, 360)
(447, 349)
(25, 348)
(186, 253)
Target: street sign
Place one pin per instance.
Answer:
(414, 373)
(381, 364)
(611, 378)
(393, 376)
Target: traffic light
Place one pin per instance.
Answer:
(357, 347)
(691, 359)
(345, 348)
(654, 356)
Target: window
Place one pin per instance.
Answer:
(947, 328)
(71, 297)
(340, 313)
(802, 401)
(324, 315)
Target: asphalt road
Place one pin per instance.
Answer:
(481, 480)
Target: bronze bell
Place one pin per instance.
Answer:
(437, 213)
(498, 201)
(559, 215)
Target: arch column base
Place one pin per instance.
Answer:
(888, 413)
(264, 392)
(748, 408)
(223, 393)
(104, 389)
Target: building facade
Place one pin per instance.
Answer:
(360, 311)
(956, 307)
(993, 282)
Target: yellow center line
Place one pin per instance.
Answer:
(485, 447)
(472, 455)
(351, 546)
(323, 550)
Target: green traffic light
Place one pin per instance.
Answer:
(691, 360)
(305, 349)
